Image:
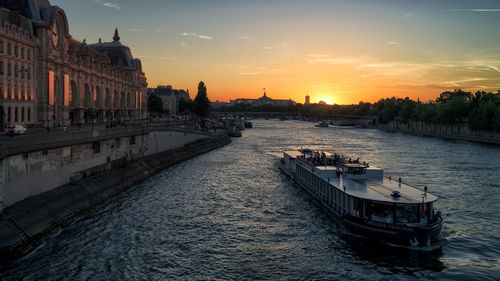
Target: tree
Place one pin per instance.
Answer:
(201, 104)
(155, 104)
(445, 96)
(185, 105)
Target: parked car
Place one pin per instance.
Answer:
(15, 130)
(20, 130)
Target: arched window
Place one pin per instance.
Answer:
(73, 94)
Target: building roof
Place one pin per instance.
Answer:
(118, 53)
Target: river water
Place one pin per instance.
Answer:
(231, 214)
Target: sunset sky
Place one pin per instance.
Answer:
(338, 51)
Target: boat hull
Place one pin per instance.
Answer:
(391, 233)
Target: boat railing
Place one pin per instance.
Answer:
(400, 181)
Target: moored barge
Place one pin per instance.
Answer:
(366, 201)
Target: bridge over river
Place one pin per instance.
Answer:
(336, 118)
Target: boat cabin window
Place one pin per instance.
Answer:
(354, 170)
(407, 213)
(381, 212)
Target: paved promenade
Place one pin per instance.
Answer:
(40, 139)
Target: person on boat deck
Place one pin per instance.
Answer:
(338, 171)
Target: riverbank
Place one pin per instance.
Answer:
(443, 131)
(24, 224)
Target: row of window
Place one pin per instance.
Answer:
(17, 114)
(22, 52)
(18, 72)
(23, 95)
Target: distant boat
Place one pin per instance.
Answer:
(248, 124)
(322, 124)
(234, 132)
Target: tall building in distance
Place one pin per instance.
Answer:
(264, 100)
(49, 78)
(170, 97)
(308, 100)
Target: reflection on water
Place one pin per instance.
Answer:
(231, 214)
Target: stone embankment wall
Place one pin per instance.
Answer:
(23, 224)
(43, 164)
(457, 132)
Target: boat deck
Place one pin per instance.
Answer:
(382, 190)
(372, 189)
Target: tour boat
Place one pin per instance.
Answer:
(367, 202)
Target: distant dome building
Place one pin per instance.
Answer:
(49, 78)
(263, 101)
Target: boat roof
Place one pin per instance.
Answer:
(381, 191)
(374, 190)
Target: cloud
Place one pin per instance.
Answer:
(161, 30)
(183, 44)
(325, 58)
(157, 57)
(494, 68)
(317, 56)
(459, 83)
(262, 70)
(109, 4)
(393, 43)
(192, 34)
(474, 10)
(242, 37)
(205, 37)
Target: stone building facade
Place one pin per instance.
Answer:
(62, 80)
(170, 97)
(17, 68)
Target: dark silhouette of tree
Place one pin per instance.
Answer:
(155, 104)
(185, 106)
(201, 104)
(443, 97)
(482, 110)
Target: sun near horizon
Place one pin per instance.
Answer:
(340, 52)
